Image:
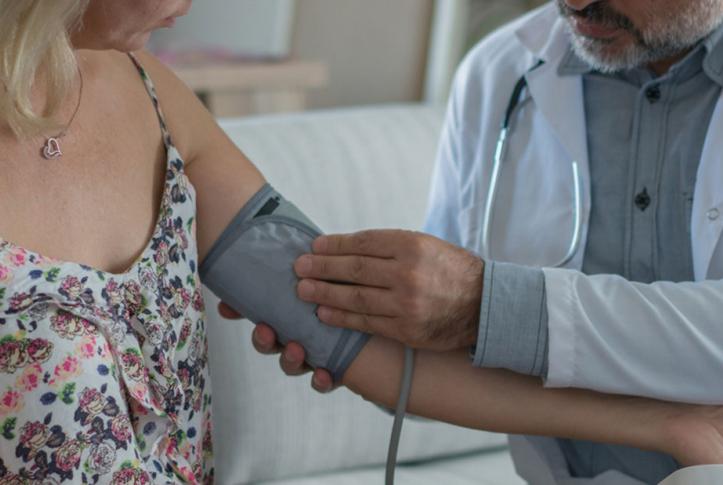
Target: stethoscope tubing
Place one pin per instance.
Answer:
(499, 157)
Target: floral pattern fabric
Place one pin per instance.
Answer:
(104, 377)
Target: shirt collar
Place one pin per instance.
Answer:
(571, 64)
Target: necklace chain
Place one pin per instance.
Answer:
(51, 148)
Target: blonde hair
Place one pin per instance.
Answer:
(35, 45)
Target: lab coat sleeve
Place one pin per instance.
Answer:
(662, 340)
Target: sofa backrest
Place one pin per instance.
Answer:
(348, 170)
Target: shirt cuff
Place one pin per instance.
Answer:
(513, 328)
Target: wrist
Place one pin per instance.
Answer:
(693, 434)
(471, 328)
(662, 434)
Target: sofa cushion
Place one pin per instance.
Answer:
(483, 468)
(348, 170)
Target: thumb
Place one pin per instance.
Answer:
(227, 312)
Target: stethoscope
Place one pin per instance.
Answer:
(502, 141)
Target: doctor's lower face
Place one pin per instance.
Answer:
(614, 35)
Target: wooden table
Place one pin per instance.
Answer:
(246, 88)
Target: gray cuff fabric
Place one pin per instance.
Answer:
(251, 268)
(513, 320)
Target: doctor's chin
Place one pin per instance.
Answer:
(411, 242)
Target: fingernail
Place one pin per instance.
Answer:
(320, 244)
(306, 289)
(260, 340)
(303, 266)
(317, 384)
(322, 313)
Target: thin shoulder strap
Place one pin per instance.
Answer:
(154, 97)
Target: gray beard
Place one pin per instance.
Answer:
(666, 37)
(594, 53)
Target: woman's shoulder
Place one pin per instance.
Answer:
(177, 102)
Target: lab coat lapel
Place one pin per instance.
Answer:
(560, 101)
(707, 216)
(559, 98)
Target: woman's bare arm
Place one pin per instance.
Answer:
(223, 177)
(448, 388)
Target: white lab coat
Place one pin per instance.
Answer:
(663, 340)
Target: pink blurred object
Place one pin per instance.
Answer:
(202, 56)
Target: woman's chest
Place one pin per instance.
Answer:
(96, 205)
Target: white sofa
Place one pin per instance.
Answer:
(349, 170)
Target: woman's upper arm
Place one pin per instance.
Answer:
(224, 179)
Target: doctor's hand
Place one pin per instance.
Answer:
(407, 286)
(292, 358)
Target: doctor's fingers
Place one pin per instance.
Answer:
(357, 299)
(322, 382)
(383, 326)
(264, 340)
(360, 270)
(293, 363)
(227, 312)
(381, 243)
(292, 360)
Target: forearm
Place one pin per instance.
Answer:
(447, 388)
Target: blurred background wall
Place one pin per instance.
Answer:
(257, 28)
(376, 50)
(256, 56)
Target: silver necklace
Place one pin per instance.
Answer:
(51, 148)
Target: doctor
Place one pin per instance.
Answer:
(612, 170)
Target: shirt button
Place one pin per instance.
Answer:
(643, 200)
(653, 94)
(713, 214)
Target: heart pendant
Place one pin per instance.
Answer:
(51, 150)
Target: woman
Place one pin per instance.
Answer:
(103, 366)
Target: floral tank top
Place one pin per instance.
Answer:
(104, 377)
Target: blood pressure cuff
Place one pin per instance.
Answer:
(250, 268)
